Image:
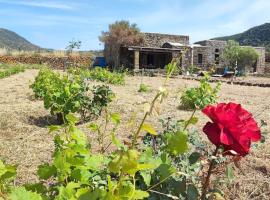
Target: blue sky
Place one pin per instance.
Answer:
(51, 24)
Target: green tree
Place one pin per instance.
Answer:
(239, 58)
(73, 44)
(231, 53)
(247, 58)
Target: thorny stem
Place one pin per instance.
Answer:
(207, 180)
(143, 120)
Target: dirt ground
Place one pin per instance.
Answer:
(25, 141)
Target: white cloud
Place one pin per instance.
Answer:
(42, 4)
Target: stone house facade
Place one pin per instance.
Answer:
(159, 49)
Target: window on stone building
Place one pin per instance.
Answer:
(217, 50)
(216, 59)
(200, 58)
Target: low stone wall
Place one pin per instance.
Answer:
(53, 61)
(267, 68)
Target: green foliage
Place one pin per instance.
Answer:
(247, 58)
(193, 69)
(21, 193)
(101, 74)
(199, 97)
(103, 95)
(7, 175)
(8, 71)
(241, 58)
(73, 44)
(165, 166)
(68, 94)
(144, 88)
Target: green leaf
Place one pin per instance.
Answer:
(146, 175)
(149, 129)
(165, 170)
(95, 162)
(125, 161)
(2, 168)
(194, 157)
(116, 141)
(7, 171)
(177, 143)
(192, 193)
(37, 187)
(193, 120)
(71, 119)
(21, 193)
(46, 171)
(229, 173)
(93, 127)
(139, 194)
(54, 128)
(116, 118)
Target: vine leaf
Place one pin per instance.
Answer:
(46, 171)
(177, 143)
(149, 128)
(192, 193)
(21, 193)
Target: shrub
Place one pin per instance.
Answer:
(200, 96)
(102, 75)
(8, 71)
(68, 94)
(170, 164)
(144, 88)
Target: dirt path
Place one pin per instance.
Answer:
(24, 139)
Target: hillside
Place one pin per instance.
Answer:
(256, 36)
(11, 40)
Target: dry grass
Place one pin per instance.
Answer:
(24, 139)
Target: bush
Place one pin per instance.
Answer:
(200, 96)
(68, 94)
(144, 88)
(170, 164)
(8, 71)
(100, 74)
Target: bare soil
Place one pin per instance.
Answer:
(25, 141)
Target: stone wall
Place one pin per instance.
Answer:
(203, 51)
(53, 61)
(267, 68)
(260, 67)
(157, 39)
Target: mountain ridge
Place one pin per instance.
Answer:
(12, 41)
(255, 36)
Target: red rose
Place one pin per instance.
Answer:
(233, 127)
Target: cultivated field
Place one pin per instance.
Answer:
(24, 138)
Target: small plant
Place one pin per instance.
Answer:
(200, 96)
(68, 94)
(144, 88)
(10, 70)
(192, 69)
(103, 95)
(102, 75)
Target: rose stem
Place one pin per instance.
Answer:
(207, 180)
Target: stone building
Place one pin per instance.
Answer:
(159, 49)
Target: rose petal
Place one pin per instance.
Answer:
(213, 132)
